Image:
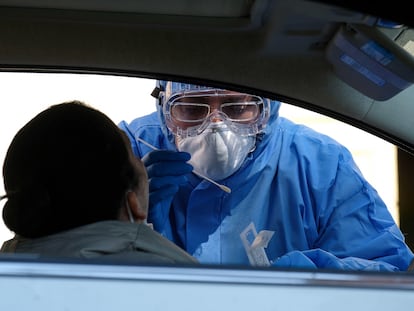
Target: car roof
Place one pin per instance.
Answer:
(292, 51)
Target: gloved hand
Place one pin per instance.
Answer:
(310, 259)
(166, 171)
(294, 259)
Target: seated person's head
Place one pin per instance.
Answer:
(71, 166)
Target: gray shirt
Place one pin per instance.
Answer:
(112, 240)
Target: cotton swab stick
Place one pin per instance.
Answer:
(222, 187)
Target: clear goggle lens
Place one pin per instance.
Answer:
(197, 113)
(194, 113)
(189, 114)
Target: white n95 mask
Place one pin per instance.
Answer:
(217, 152)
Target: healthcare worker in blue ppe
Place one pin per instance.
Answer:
(232, 182)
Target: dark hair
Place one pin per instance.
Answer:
(69, 166)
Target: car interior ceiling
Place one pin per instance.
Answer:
(291, 43)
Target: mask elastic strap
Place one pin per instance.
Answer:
(131, 218)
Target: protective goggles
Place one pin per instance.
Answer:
(190, 109)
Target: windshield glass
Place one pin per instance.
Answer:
(125, 98)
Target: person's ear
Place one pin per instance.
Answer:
(139, 212)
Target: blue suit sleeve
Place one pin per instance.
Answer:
(360, 230)
(318, 258)
(352, 227)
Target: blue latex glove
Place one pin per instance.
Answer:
(311, 259)
(166, 171)
(295, 259)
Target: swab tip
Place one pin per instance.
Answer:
(226, 189)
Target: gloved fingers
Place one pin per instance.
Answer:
(156, 183)
(165, 156)
(167, 163)
(324, 259)
(166, 169)
(294, 259)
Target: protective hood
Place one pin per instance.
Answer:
(159, 93)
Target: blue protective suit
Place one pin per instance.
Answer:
(299, 184)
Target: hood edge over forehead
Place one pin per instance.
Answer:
(178, 86)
